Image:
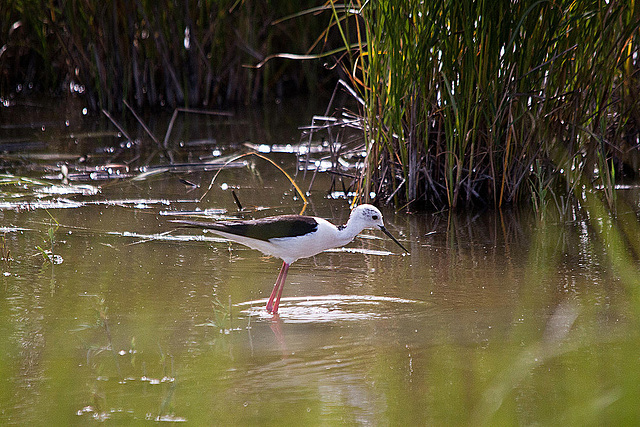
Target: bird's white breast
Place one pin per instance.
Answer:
(292, 248)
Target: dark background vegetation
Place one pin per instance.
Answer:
(158, 53)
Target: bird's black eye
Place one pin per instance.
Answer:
(374, 217)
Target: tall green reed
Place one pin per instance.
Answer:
(464, 97)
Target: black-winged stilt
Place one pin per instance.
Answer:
(291, 237)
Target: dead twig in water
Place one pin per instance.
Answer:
(190, 110)
(165, 152)
(116, 124)
(235, 198)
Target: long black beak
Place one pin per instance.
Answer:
(385, 231)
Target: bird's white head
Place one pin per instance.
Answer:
(368, 216)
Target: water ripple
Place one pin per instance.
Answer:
(334, 308)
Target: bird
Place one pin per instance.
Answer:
(291, 237)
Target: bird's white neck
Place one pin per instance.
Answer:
(349, 231)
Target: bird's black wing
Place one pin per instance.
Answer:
(263, 228)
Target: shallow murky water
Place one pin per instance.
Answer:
(110, 312)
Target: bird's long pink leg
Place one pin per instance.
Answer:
(277, 289)
(285, 269)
